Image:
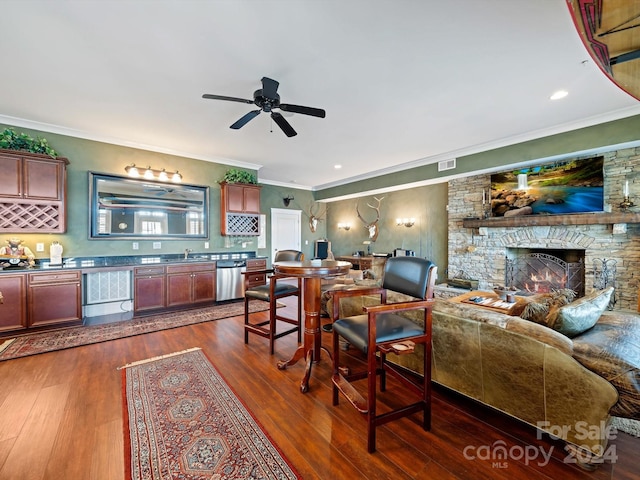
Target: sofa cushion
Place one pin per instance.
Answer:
(582, 314)
(612, 350)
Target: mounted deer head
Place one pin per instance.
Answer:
(371, 226)
(287, 200)
(314, 218)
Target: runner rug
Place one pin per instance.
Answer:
(35, 343)
(182, 421)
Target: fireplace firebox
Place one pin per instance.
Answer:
(543, 271)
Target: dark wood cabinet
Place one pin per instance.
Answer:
(240, 198)
(50, 299)
(181, 285)
(255, 272)
(43, 179)
(239, 209)
(149, 287)
(13, 308)
(54, 299)
(11, 174)
(189, 284)
(32, 193)
(204, 286)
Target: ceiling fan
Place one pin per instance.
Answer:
(267, 99)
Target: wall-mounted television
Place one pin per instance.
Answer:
(561, 187)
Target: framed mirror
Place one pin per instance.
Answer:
(134, 208)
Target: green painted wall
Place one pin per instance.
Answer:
(598, 136)
(86, 156)
(427, 237)
(428, 204)
(271, 197)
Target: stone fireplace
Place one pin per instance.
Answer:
(604, 251)
(543, 271)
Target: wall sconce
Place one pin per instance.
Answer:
(407, 222)
(151, 174)
(287, 200)
(344, 226)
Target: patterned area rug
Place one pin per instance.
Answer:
(183, 421)
(76, 336)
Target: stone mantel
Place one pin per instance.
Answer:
(552, 220)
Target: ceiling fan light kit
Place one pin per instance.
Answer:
(267, 98)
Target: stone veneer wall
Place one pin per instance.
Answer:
(479, 253)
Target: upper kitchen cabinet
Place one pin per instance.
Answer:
(32, 193)
(240, 197)
(240, 209)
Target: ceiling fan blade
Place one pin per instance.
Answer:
(283, 124)
(245, 119)
(222, 97)
(269, 87)
(314, 112)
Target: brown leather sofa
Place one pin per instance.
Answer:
(567, 387)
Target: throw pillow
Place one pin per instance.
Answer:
(581, 315)
(536, 311)
(543, 308)
(559, 298)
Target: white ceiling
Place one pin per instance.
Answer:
(404, 83)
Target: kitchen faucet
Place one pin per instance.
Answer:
(187, 251)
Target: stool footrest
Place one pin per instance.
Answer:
(399, 348)
(350, 393)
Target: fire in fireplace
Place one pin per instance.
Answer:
(542, 271)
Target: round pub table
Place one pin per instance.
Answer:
(311, 272)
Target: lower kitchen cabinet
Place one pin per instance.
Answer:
(54, 298)
(13, 309)
(187, 284)
(42, 300)
(149, 286)
(172, 286)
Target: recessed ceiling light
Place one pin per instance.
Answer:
(559, 94)
(337, 167)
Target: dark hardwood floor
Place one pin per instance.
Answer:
(61, 418)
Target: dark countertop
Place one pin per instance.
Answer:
(128, 261)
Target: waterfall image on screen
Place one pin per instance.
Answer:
(562, 187)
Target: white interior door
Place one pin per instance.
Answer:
(286, 233)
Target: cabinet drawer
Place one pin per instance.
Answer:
(257, 264)
(201, 267)
(256, 278)
(145, 271)
(57, 277)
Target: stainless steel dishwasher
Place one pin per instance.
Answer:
(229, 279)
